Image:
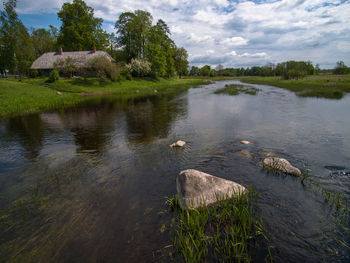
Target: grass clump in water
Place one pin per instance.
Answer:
(236, 89)
(225, 232)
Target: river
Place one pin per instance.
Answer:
(88, 183)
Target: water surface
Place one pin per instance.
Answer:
(88, 184)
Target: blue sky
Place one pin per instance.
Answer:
(232, 33)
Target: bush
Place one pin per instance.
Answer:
(139, 67)
(66, 66)
(54, 76)
(125, 73)
(103, 68)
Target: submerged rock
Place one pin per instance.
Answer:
(282, 165)
(268, 152)
(195, 188)
(245, 154)
(245, 142)
(178, 144)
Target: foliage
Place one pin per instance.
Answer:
(205, 70)
(181, 61)
(341, 68)
(195, 71)
(139, 67)
(80, 30)
(54, 76)
(66, 66)
(139, 39)
(43, 40)
(103, 67)
(16, 49)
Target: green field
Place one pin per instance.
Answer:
(321, 86)
(35, 95)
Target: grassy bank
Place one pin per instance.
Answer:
(35, 95)
(321, 86)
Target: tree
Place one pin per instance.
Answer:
(43, 41)
(341, 68)
(181, 61)
(205, 71)
(195, 71)
(80, 30)
(132, 30)
(16, 49)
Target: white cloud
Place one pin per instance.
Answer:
(254, 55)
(234, 41)
(277, 30)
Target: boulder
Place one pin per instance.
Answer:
(58, 93)
(196, 189)
(245, 142)
(281, 165)
(178, 144)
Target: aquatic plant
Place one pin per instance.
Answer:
(224, 232)
(236, 89)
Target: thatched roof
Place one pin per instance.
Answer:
(80, 58)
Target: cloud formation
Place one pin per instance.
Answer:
(239, 32)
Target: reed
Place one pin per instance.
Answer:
(225, 232)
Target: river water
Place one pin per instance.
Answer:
(88, 184)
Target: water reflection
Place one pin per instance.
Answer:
(28, 131)
(150, 119)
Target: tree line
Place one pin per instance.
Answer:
(287, 70)
(141, 48)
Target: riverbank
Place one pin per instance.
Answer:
(35, 95)
(321, 86)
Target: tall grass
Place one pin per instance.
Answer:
(225, 232)
(236, 89)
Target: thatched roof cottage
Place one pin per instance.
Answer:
(45, 63)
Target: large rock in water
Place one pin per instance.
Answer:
(282, 165)
(195, 188)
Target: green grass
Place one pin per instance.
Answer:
(320, 86)
(35, 95)
(225, 232)
(236, 89)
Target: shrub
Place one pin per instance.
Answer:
(54, 76)
(125, 73)
(103, 68)
(139, 67)
(66, 66)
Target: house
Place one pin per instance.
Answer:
(46, 62)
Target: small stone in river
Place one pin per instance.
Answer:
(58, 93)
(195, 188)
(282, 165)
(245, 142)
(178, 144)
(155, 91)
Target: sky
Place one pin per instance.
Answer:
(233, 33)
